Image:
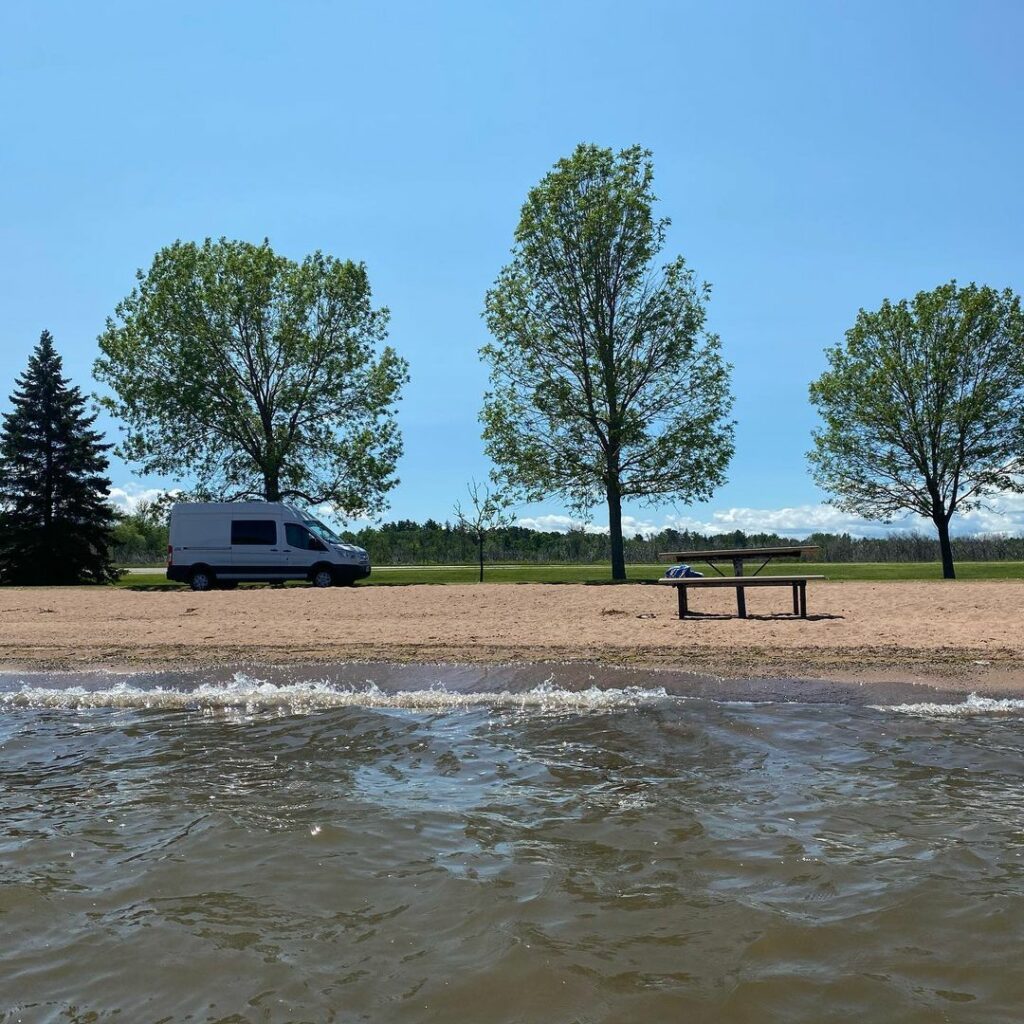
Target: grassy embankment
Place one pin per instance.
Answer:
(527, 573)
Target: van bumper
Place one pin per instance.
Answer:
(178, 573)
(361, 571)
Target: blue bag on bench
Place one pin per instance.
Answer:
(676, 572)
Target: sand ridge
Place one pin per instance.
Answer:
(911, 630)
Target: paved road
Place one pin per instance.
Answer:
(376, 568)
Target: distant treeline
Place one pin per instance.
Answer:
(140, 540)
(409, 543)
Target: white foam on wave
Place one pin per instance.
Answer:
(246, 693)
(973, 705)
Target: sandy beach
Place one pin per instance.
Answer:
(962, 635)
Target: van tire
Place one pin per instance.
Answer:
(202, 578)
(322, 576)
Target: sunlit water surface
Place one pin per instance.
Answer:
(238, 850)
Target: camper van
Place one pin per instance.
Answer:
(221, 544)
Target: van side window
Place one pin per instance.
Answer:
(253, 531)
(299, 537)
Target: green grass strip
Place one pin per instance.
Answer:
(600, 574)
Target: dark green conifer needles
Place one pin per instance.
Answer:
(55, 521)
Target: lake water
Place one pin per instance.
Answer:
(450, 845)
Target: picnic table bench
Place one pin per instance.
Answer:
(738, 556)
(798, 583)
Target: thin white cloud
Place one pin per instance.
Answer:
(798, 519)
(128, 497)
(328, 511)
(558, 524)
(1005, 516)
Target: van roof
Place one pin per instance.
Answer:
(235, 507)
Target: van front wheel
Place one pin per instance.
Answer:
(323, 578)
(201, 579)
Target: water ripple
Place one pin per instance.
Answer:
(250, 851)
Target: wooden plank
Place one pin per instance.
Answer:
(733, 581)
(728, 554)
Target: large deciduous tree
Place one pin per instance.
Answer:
(256, 376)
(604, 383)
(55, 521)
(923, 408)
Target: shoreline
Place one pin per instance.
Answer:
(923, 635)
(851, 667)
(463, 678)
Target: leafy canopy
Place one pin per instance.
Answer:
(255, 375)
(923, 406)
(603, 382)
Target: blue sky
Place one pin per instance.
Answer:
(814, 158)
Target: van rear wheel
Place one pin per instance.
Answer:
(201, 579)
(323, 578)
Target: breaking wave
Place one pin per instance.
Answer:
(973, 705)
(246, 693)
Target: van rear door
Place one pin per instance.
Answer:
(257, 548)
(199, 537)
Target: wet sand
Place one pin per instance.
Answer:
(960, 636)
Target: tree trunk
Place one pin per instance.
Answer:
(271, 485)
(480, 540)
(48, 571)
(942, 525)
(615, 531)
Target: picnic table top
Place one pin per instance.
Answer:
(732, 554)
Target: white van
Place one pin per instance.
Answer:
(220, 544)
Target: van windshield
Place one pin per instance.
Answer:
(323, 532)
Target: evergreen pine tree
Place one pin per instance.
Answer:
(56, 522)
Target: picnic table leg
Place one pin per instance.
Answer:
(683, 609)
(803, 600)
(741, 597)
(796, 599)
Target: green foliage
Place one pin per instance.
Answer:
(431, 543)
(923, 407)
(604, 384)
(254, 375)
(141, 536)
(55, 527)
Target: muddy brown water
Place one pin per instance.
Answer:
(435, 844)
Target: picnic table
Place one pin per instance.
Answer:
(738, 557)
